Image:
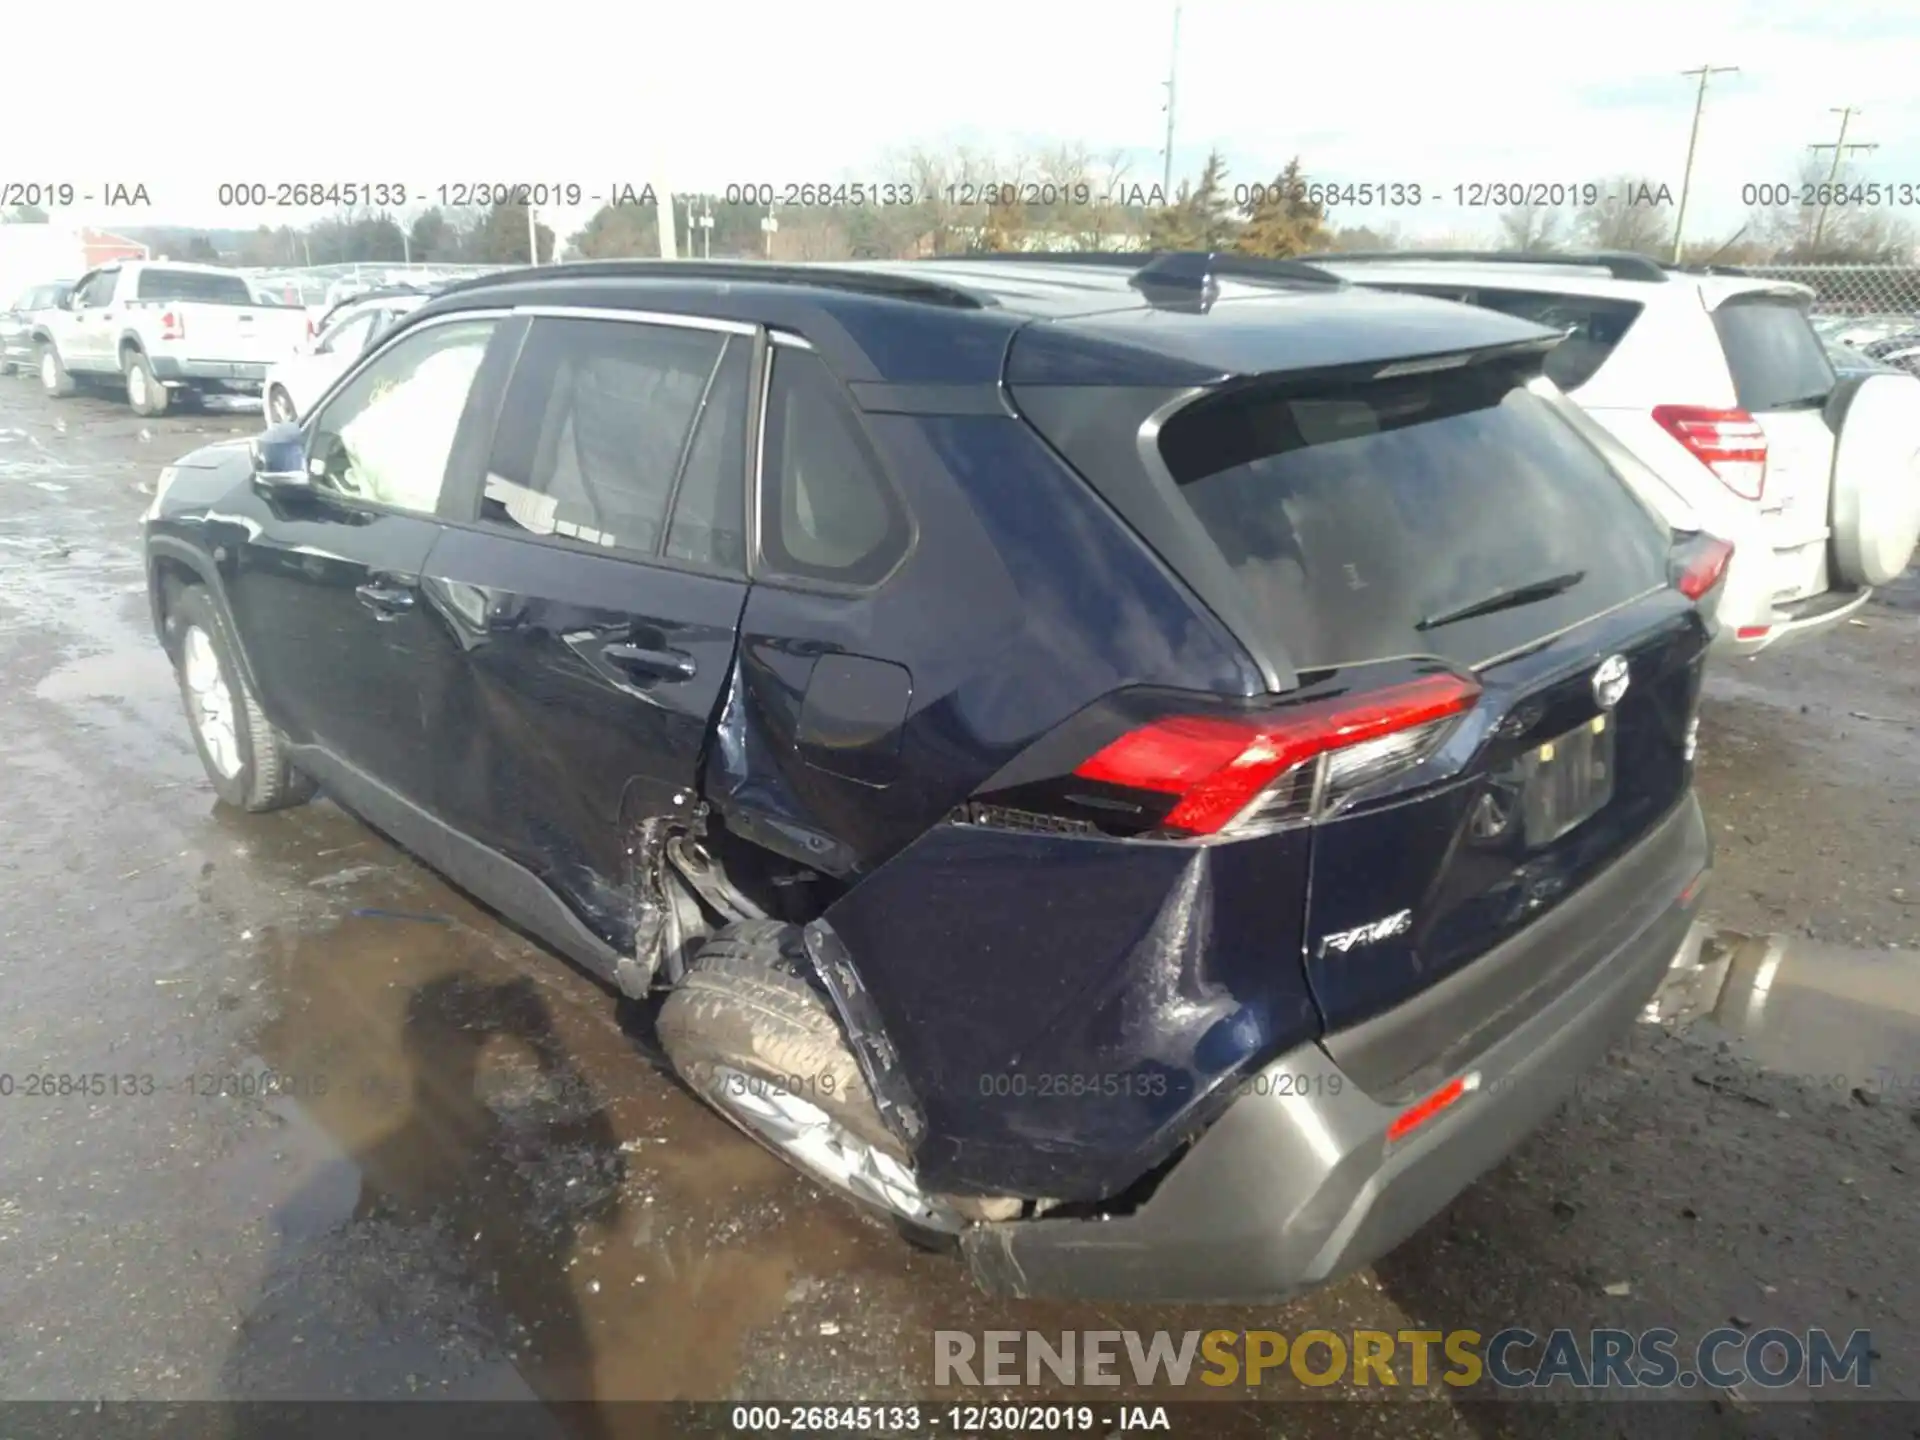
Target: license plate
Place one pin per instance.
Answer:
(1567, 780)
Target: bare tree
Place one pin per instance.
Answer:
(1530, 228)
(1857, 233)
(1631, 213)
(948, 186)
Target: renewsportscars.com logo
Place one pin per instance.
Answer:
(1511, 1359)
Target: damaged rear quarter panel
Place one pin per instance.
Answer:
(1022, 600)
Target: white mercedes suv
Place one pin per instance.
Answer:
(1716, 383)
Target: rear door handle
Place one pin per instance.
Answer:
(388, 602)
(654, 664)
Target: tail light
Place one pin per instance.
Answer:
(173, 326)
(1699, 565)
(1730, 443)
(1247, 774)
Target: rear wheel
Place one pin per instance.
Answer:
(54, 378)
(243, 755)
(748, 1033)
(145, 393)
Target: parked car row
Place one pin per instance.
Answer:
(163, 332)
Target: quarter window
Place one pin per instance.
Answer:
(597, 427)
(830, 513)
(386, 436)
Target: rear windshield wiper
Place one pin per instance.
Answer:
(1506, 599)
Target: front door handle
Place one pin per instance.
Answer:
(653, 664)
(388, 602)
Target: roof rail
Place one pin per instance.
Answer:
(885, 284)
(1157, 264)
(1620, 264)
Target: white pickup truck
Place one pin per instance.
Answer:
(164, 331)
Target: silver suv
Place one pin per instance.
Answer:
(1716, 383)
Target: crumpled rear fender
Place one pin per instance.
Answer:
(1060, 1013)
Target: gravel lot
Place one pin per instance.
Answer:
(500, 1195)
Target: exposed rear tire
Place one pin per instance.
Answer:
(145, 393)
(242, 753)
(755, 1040)
(54, 378)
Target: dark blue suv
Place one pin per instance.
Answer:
(1151, 770)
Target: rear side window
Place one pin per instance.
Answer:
(194, 285)
(1361, 518)
(595, 428)
(1776, 359)
(1593, 325)
(829, 512)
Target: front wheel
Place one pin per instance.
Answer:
(145, 393)
(243, 755)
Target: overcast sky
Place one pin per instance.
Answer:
(182, 98)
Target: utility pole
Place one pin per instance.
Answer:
(1693, 142)
(1841, 149)
(665, 225)
(533, 238)
(1173, 69)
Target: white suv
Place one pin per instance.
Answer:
(1718, 385)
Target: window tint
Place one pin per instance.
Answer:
(349, 337)
(709, 522)
(594, 428)
(387, 434)
(99, 290)
(1351, 515)
(195, 285)
(1773, 353)
(830, 513)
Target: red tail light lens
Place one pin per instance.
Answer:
(1702, 568)
(1246, 773)
(173, 326)
(1730, 443)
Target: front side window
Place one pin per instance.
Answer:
(829, 513)
(385, 437)
(596, 428)
(99, 290)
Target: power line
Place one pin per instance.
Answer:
(1693, 142)
(1841, 149)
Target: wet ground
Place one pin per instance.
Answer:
(357, 1139)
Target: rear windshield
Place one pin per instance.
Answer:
(1777, 361)
(195, 285)
(1593, 325)
(1361, 518)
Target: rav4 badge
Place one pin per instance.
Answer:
(1368, 934)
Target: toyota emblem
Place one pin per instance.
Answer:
(1610, 680)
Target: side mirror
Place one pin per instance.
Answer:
(280, 458)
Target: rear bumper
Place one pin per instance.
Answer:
(1296, 1183)
(171, 370)
(1786, 624)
